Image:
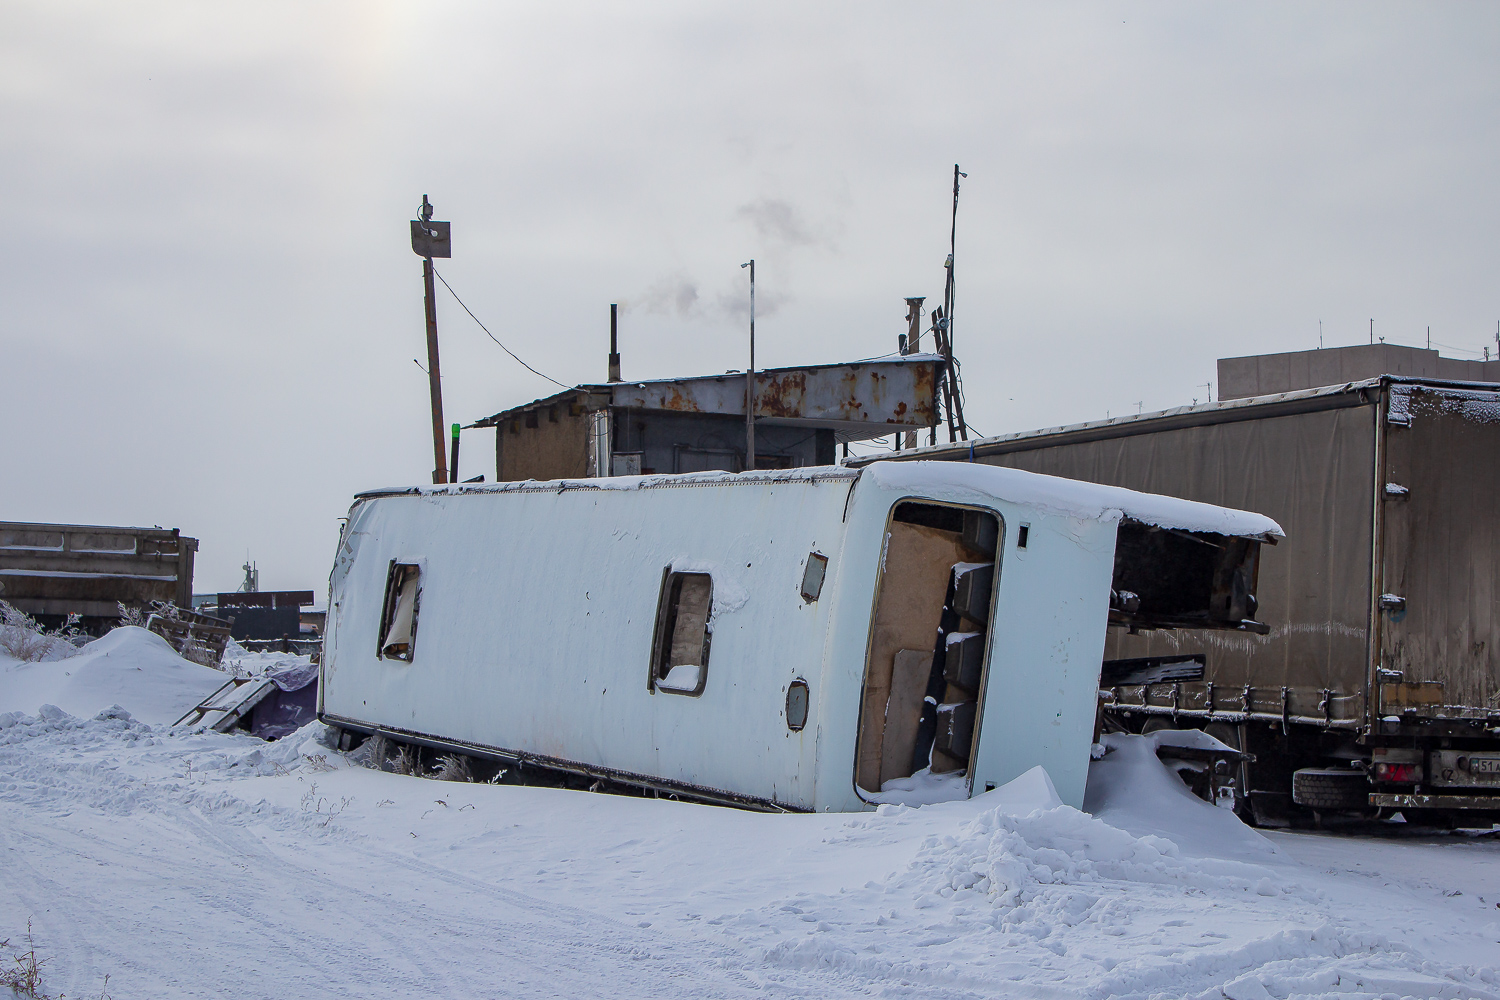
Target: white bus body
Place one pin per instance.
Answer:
(666, 631)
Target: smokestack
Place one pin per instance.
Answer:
(910, 344)
(614, 342)
(914, 324)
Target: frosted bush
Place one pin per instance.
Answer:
(131, 616)
(24, 638)
(452, 767)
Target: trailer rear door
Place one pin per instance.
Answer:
(1439, 603)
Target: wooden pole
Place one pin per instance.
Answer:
(434, 383)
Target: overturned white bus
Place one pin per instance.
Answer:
(820, 638)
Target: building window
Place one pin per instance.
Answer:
(398, 617)
(679, 657)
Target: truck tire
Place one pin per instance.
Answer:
(1330, 789)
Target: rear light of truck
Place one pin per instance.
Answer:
(1398, 773)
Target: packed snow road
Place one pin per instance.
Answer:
(198, 864)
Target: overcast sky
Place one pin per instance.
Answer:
(209, 308)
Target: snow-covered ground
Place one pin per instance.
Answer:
(197, 864)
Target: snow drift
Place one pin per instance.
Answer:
(130, 666)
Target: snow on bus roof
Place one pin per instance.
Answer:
(809, 474)
(1074, 498)
(1062, 496)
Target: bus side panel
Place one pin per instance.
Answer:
(537, 617)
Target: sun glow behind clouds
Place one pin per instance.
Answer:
(215, 202)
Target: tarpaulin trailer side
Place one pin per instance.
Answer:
(1381, 601)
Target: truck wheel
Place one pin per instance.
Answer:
(1330, 788)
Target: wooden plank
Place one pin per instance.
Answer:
(909, 678)
(918, 561)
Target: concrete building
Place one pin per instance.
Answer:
(802, 416)
(1267, 374)
(51, 571)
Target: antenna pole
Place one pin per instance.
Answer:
(956, 427)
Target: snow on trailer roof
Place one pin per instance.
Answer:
(1068, 497)
(1295, 400)
(1074, 498)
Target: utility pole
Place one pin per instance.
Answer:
(750, 378)
(428, 240)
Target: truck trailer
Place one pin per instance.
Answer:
(811, 639)
(1377, 687)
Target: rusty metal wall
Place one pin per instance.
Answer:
(1313, 473)
(1442, 552)
(874, 393)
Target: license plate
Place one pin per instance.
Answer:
(1484, 765)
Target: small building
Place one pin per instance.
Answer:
(802, 417)
(265, 614)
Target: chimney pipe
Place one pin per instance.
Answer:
(914, 324)
(910, 344)
(614, 342)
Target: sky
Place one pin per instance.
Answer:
(210, 310)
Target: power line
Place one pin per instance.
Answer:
(496, 339)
